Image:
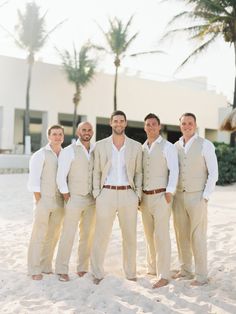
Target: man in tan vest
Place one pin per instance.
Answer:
(198, 175)
(74, 179)
(117, 184)
(160, 176)
(48, 204)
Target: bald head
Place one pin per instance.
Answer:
(85, 131)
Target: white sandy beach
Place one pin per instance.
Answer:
(115, 294)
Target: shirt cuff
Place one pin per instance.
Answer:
(170, 189)
(206, 197)
(34, 188)
(64, 189)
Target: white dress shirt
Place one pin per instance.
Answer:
(35, 168)
(64, 163)
(117, 174)
(208, 152)
(171, 156)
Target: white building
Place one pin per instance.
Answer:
(51, 102)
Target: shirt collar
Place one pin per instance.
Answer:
(48, 147)
(181, 140)
(158, 140)
(78, 143)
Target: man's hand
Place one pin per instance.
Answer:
(37, 196)
(66, 196)
(168, 197)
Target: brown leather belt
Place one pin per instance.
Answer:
(117, 187)
(154, 191)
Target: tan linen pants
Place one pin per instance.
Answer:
(79, 209)
(125, 204)
(190, 223)
(156, 216)
(48, 218)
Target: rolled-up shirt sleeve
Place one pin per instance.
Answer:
(212, 167)
(64, 162)
(35, 170)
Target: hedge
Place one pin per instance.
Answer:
(226, 156)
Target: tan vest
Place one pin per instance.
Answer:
(155, 171)
(80, 174)
(192, 168)
(48, 184)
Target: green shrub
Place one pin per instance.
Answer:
(226, 156)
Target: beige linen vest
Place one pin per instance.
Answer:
(80, 174)
(155, 171)
(48, 186)
(192, 167)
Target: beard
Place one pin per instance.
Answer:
(119, 131)
(86, 138)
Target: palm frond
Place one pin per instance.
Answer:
(146, 52)
(198, 50)
(52, 30)
(229, 123)
(130, 41)
(78, 67)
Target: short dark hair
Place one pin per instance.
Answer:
(54, 126)
(188, 114)
(118, 113)
(152, 116)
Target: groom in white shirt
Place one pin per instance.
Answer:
(117, 183)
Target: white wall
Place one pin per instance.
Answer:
(51, 93)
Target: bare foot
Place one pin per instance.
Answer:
(64, 277)
(196, 283)
(97, 281)
(160, 283)
(179, 275)
(81, 273)
(37, 277)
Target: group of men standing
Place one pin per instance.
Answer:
(89, 186)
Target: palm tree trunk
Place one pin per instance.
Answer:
(27, 143)
(115, 89)
(74, 119)
(233, 134)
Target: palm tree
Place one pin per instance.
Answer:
(118, 42)
(31, 35)
(80, 70)
(211, 19)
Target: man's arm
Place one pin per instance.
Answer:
(35, 170)
(64, 163)
(171, 155)
(212, 167)
(97, 172)
(138, 177)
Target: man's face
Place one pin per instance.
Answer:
(188, 126)
(152, 128)
(85, 132)
(118, 124)
(56, 137)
